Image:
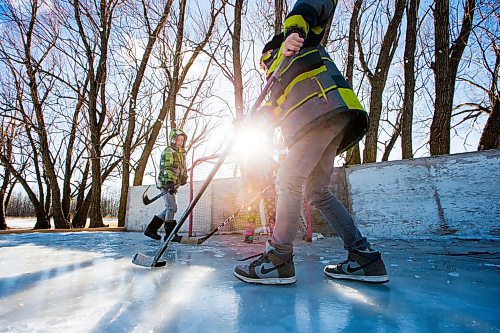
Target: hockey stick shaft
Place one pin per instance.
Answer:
(147, 201)
(217, 166)
(201, 240)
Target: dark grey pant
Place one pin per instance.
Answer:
(307, 170)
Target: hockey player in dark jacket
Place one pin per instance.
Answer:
(320, 117)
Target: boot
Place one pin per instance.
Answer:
(169, 227)
(152, 228)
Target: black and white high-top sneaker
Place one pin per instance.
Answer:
(271, 267)
(361, 265)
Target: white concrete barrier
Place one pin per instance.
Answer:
(456, 195)
(138, 215)
(446, 195)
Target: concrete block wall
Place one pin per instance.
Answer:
(457, 195)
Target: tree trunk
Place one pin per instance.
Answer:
(324, 40)
(80, 218)
(445, 68)
(409, 79)
(354, 154)
(95, 156)
(278, 17)
(95, 202)
(238, 77)
(3, 192)
(370, 152)
(176, 83)
(42, 219)
(82, 204)
(48, 198)
(7, 137)
(96, 119)
(68, 167)
(490, 138)
(392, 141)
(440, 127)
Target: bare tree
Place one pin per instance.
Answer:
(127, 146)
(176, 73)
(10, 126)
(39, 32)
(447, 59)
(96, 51)
(378, 77)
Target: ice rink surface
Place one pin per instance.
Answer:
(85, 282)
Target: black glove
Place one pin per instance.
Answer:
(172, 191)
(183, 180)
(169, 186)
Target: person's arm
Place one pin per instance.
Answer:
(305, 16)
(184, 177)
(308, 14)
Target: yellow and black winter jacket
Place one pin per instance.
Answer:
(311, 89)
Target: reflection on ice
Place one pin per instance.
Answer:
(351, 294)
(87, 283)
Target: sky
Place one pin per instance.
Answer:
(251, 46)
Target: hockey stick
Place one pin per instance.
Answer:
(147, 201)
(201, 240)
(148, 261)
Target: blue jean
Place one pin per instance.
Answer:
(170, 207)
(307, 171)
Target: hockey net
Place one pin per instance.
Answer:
(225, 195)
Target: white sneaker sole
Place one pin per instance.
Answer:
(289, 280)
(363, 278)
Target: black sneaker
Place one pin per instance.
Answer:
(271, 267)
(366, 266)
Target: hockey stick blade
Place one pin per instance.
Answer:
(189, 241)
(146, 201)
(146, 261)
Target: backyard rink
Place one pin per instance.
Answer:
(85, 282)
